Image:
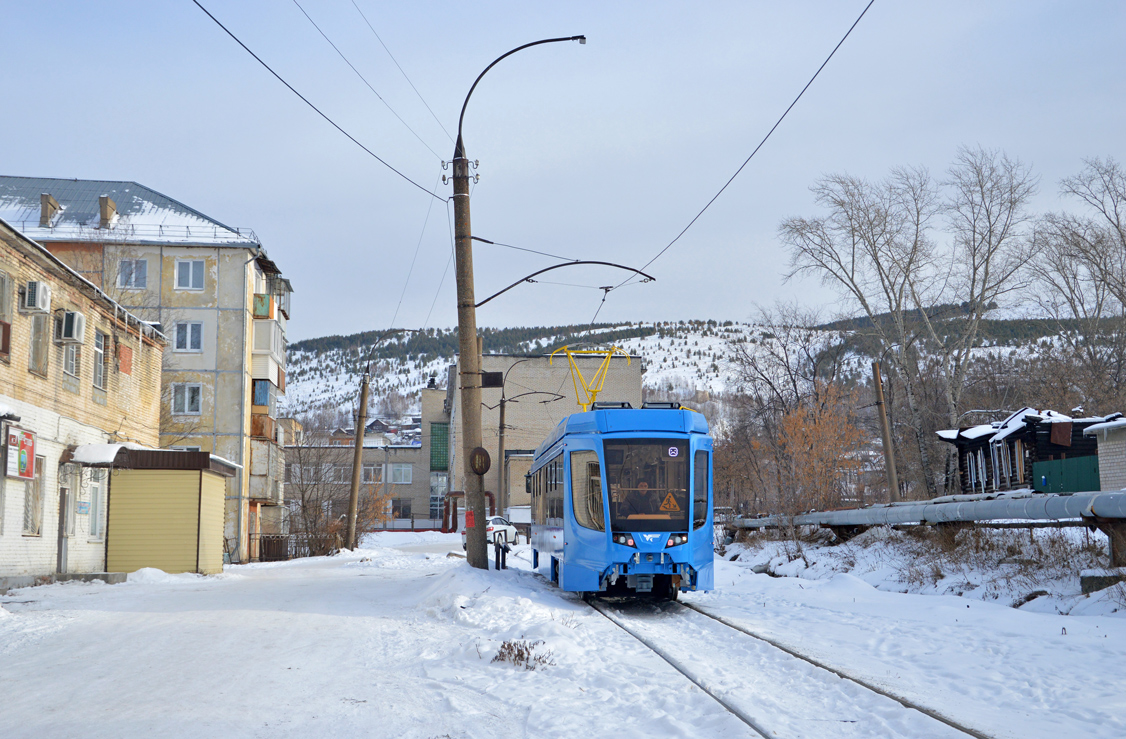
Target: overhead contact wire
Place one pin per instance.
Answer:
(305, 100)
(408, 79)
(764, 140)
(364, 79)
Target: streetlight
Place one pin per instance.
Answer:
(470, 360)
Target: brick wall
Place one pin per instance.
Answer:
(1112, 460)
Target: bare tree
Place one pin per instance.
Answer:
(874, 247)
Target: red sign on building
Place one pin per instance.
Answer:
(21, 454)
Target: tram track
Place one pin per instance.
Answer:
(841, 674)
(789, 689)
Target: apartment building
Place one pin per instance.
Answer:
(215, 294)
(76, 368)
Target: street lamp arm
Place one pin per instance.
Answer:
(460, 149)
(648, 278)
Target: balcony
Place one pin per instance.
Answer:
(269, 340)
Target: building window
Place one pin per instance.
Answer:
(40, 344)
(5, 314)
(189, 336)
(133, 274)
(100, 360)
(400, 474)
(187, 398)
(72, 359)
(33, 501)
(400, 508)
(342, 473)
(97, 492)
(373, 474)
(189, 274)
(439, 447)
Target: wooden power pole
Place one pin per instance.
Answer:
(358, 461)
(885, 431)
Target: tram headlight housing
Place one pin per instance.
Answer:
(624, 540)
(676, 540)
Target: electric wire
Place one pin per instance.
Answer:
(521, 248)
(756, 149)
(364, 79)
(408, 79)
(410, 270)
(305, 100)
(450, 223)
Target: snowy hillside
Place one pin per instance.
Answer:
(684, 356)
(677, 357)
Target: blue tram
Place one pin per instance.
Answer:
(621, 502)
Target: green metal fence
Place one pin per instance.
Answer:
(1079, 475)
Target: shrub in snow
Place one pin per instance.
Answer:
(523, 654)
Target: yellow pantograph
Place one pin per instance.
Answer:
(594, 387)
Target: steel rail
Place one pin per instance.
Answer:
(841, 674)
(675, 664)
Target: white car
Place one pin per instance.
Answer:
(496, 529)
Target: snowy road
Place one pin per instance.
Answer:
(398, 642)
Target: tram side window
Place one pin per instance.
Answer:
(554, 474)
(586, 490)
(700, 490)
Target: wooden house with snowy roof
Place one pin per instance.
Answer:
(1043, 450)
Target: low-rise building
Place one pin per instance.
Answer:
(221, 301)
(76, 368)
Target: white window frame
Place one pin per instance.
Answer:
(100, 341)
(187, 328)
(192, 274)
(97, 497)
(372, 473)
(33, 501)
(131, 283)
(72, 360)
(40, 343)
(397, 470)
(183, 389)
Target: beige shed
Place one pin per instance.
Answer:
(166, 510)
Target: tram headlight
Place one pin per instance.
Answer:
(677, 540)
(624, 540)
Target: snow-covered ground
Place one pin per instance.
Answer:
(397, 640)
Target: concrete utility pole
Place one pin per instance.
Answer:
(469, 378)
(885, 432)
(358, 460)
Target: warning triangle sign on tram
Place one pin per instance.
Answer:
(668, 505)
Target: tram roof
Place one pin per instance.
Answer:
(626, 420)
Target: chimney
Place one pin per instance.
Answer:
(107, 209)
(48, 207)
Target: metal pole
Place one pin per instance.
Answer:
(502, 484)
(357, 462)
(885, 431)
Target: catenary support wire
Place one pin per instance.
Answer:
(305, 100)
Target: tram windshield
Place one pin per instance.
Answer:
(648, 481)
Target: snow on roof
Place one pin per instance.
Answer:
(977, 432)
(948, 434)
(1105, 426)
(93, 454)
(143, 215)
(7, 412)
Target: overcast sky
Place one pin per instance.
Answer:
(603, 151)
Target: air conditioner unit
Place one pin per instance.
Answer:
(73, 328)
(37, 297)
